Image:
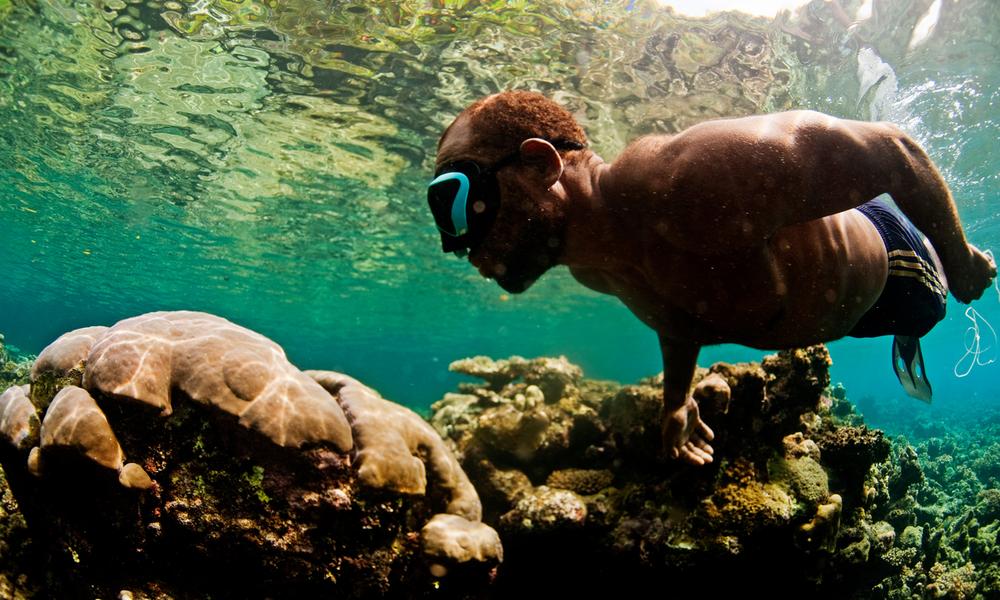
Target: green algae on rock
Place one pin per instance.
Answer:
(245, 479)
(19, 565)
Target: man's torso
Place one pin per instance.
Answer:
(809, 283)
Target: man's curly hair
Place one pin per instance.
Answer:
(502, 121)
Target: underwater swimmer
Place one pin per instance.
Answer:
(757, 231)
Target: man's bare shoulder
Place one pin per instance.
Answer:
(728, 135)
(782, 128)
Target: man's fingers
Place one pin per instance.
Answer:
(693, 458)
(690, 449)
(701, 444)
(705, 431)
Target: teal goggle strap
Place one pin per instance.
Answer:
(459, 220)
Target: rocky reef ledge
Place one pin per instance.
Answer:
(177, 455)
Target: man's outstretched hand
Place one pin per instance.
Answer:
(685, 435)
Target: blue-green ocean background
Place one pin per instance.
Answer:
(266, 160)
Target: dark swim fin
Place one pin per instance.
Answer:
(908, 362)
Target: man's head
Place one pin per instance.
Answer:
(491, 196)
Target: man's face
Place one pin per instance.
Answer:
(524, 240)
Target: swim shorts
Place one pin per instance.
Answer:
(914, 299)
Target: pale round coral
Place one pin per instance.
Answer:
(391, 440)
(134, 477)
(456, 539)
(18, 422)
(216, 363)
(67, 352)
(75, 422)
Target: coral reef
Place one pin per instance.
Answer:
(180, 455)
(943, 500)
(576, 482)
(393, 445)
(154, 418)
(209, 360)
(19, 424)
(576, 479)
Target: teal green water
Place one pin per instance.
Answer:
(266, 161)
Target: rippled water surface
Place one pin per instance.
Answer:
(266, 161)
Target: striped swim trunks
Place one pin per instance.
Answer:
(914, 298)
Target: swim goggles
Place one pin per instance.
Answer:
(465, 198)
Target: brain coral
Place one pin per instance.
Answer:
(393, 443)
(67, 352)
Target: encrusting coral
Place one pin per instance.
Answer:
(201, 446)
(15, 367)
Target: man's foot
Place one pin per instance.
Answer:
(969, 278)
(685, 435)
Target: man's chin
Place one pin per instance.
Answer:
(514, 285)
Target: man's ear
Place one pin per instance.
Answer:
(543, 156)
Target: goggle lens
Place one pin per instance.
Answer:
(463, 199)
(448, 196)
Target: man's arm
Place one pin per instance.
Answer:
(850, 162)
(685, 435)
